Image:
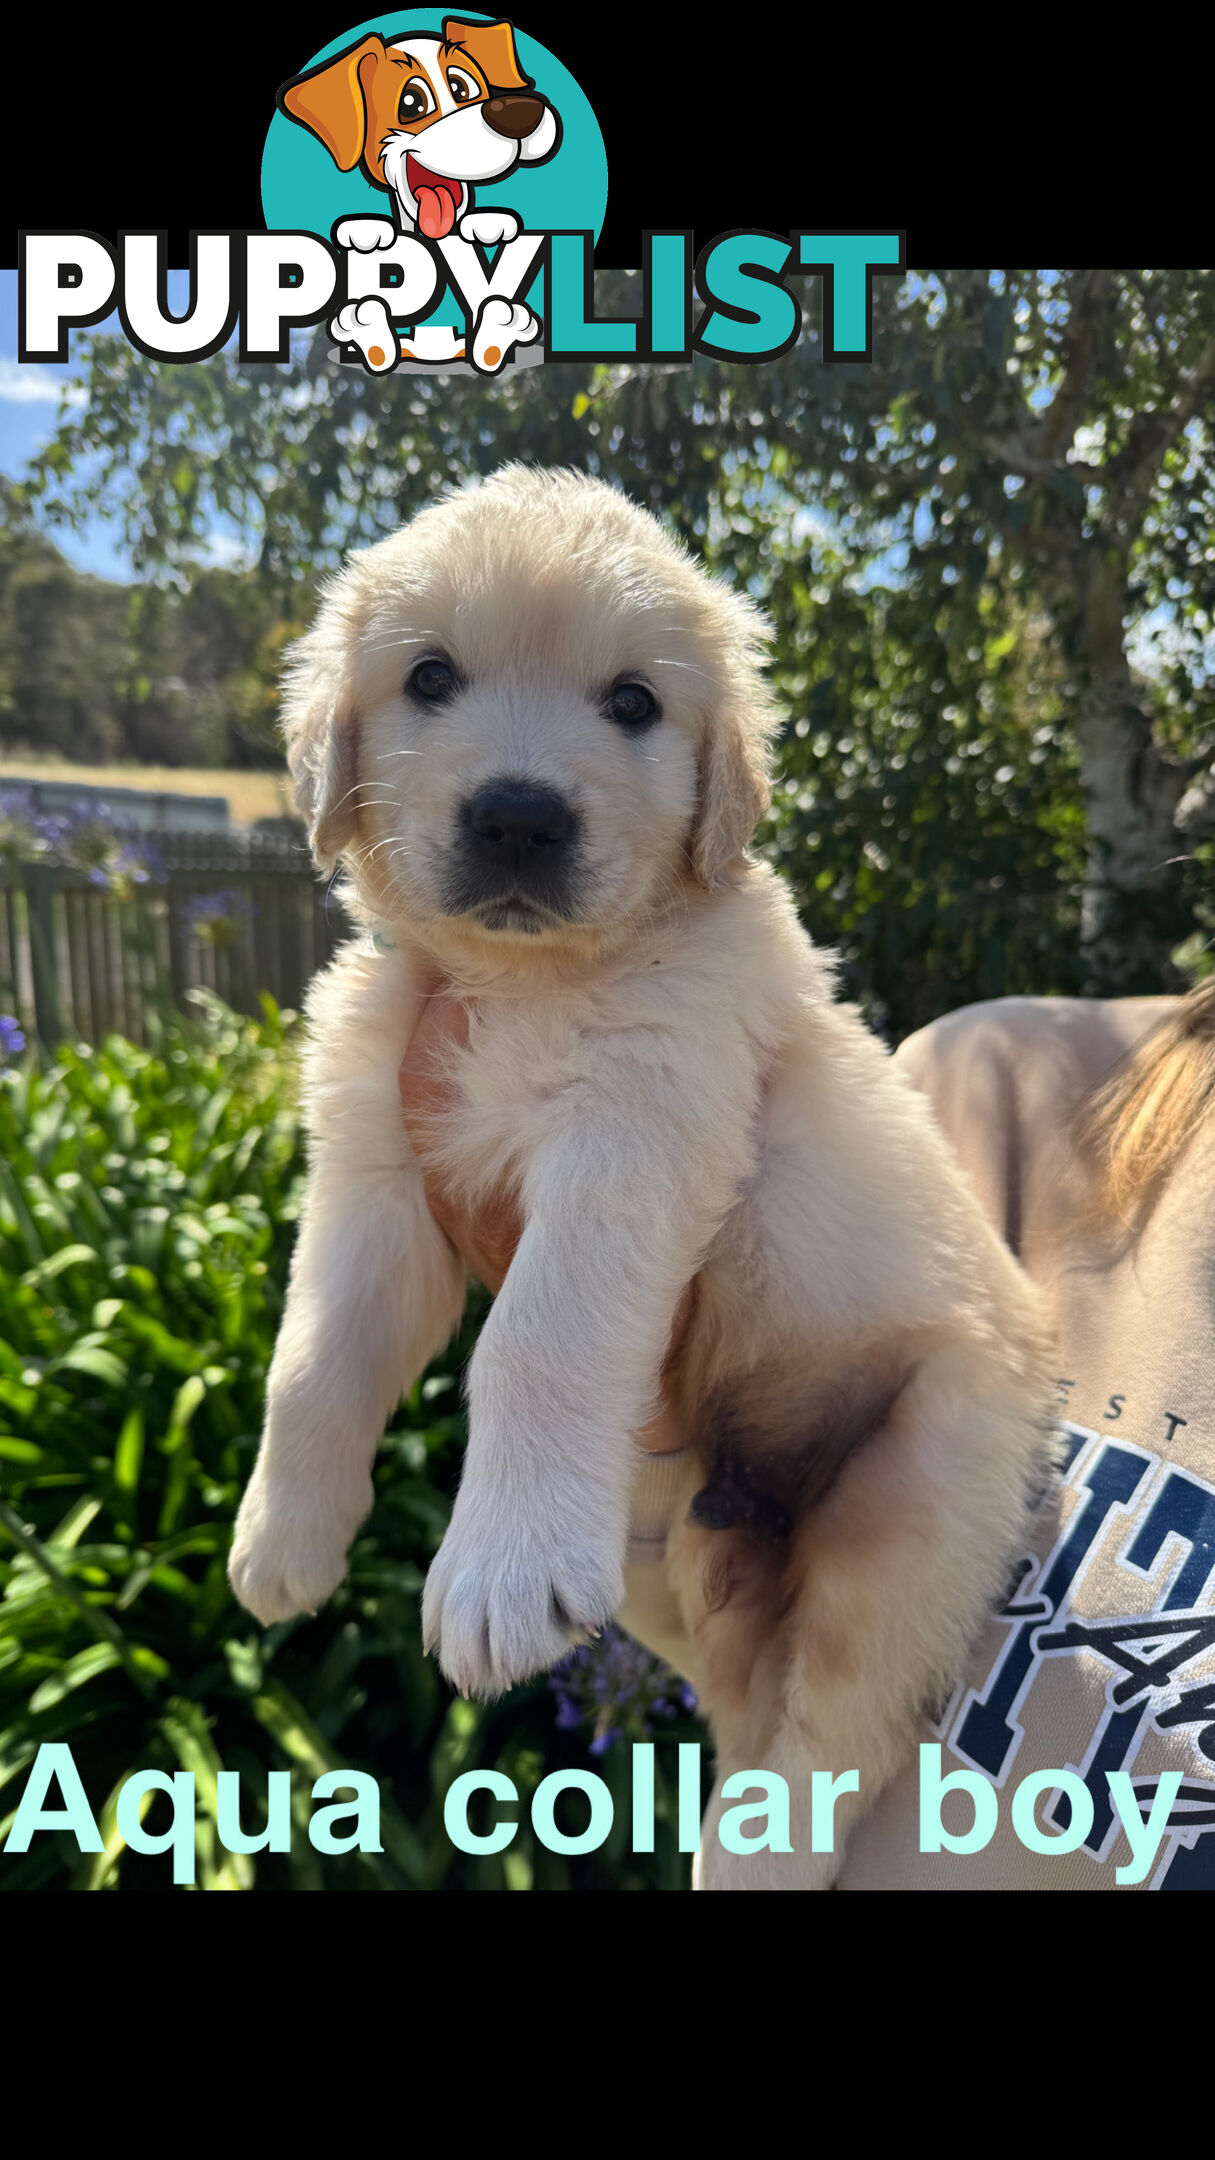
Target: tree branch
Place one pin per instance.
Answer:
(1063, 415)
(1133, 470)
(1196, 810)
(1037, 464)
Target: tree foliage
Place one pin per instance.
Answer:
(988, 558)
(178, 674)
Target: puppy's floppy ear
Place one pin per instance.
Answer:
(492, 46)
(331, 101)
(320, 725)
(735, 754)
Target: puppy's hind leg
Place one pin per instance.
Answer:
(734, 1589)
(888, 1580)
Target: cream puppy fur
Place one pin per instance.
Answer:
(537, 735)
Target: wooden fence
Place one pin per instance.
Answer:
(78, 958)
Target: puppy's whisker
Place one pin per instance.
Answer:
(357, 789)
(686, 666)
(363, 854)
(392, 644)
(393, 840)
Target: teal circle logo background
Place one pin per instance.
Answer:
(303, 191)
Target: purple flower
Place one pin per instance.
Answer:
(12, 1041)
(88, 837)
(207, 906)
(17, 835)
(618, 1689)
(139, 864)
(216, 917)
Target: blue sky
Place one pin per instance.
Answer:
(29, 405)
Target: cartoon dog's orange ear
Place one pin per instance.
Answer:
(492, 46)
(332, 101)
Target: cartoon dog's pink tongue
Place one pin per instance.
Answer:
(437, 199)
(436, 212)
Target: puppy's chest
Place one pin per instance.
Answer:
(510, 1085)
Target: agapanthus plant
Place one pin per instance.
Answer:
(216, 917)
(617, 1690)
(12, 1042)
(86, 836)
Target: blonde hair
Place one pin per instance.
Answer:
(1136, 1124)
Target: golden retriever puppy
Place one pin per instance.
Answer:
(538, 735)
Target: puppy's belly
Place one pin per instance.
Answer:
(774, 1441)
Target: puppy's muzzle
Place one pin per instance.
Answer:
(515, 853)
(514, 116)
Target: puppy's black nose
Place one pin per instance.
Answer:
(514, 116)
(517, 825)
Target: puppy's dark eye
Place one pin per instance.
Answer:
(416, 100)
(632, 705)
(434, 680)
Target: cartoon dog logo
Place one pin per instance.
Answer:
(426, 118)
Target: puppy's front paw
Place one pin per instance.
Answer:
(490, 227)
(501, 325)
(368, 324)
(365, 234)
(288, 1555)
(503, 1602)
